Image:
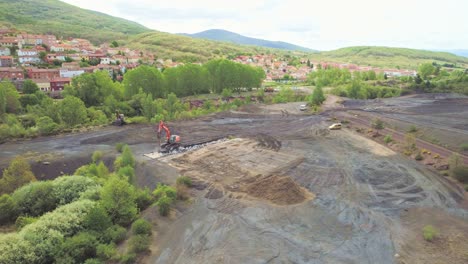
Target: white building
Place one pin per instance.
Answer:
(28, 59)
(66, 73)
(105, 60)
(27, 52)
(4, 51)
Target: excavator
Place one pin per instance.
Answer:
(172, 141)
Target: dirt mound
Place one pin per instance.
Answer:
(280, 190)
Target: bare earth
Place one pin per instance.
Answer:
(285, 190)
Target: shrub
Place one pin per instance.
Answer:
(387, 139)
(97, 156)
(164, 191)
(144, 199)
(102, 171)
(127, 157)
(184, 180)
(78, 248)
(141, 227)
(378, 124)
(106, 251)
(115, 234)
(8, 210)
(139, 243)
(129, 258)
(429, 233)
(464, 146)
(69, 188)
(419, 156)
(119, 146)
(412, 129)
(97, 219)
(23, 221)
(118, 198)
(461, 173)
(164, 204)
(16, 175)
(35, 198)
(93, 261)
(47, 126)
(128, 173)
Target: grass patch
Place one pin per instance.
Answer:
(430, 233)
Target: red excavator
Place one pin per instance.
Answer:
(172, 141)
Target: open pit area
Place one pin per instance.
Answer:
(281, 188)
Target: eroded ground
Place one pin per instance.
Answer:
(281, 189)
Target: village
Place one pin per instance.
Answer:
(51, 62)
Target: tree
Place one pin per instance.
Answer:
(30, 87)
(317, 96)
(147, 78)
(426, 69)
(9, 98)
(93, 88)
(35, 199)
(118, 198)
(8, 209)
(114, 44)
(72, 111)
(43, 56)
(16, 175)
(46, 125)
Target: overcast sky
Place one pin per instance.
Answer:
(322, 24)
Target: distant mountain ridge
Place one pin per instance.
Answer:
(228, 36)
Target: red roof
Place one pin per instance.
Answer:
(61, 80)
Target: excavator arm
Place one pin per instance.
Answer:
(162, 127)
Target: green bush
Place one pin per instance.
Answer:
(141, 227)
(35, 199)
(127, 157)
(69, 188)
(461, 173)
(115, 234)
(144, 199)
(464, 146)
(119, 146)
(16, 175)
(184, 180)
(97, 219)
(419, 156)
(387, 139)
(139, 243)
(8, 209)
(429, 233)
(97, 156)
(47, 126)
(128, 173)
(93, 261)
(106, 251)
(137, 120)
(378, 124)
(78, 248)
(164, 190)
(412, 129)
(128, 258)
(118, 198)
(23, 221)
(164, 204)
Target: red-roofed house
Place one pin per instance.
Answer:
(6, 61)
(58, 84)
(11, 73)
(48, 74)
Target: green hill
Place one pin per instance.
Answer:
(64, 20)
(183, 48)
(389, 57)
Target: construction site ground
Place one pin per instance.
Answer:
(276, 186)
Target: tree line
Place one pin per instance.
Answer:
(146, 92)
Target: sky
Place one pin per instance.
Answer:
(321, 25)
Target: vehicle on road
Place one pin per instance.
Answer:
(335, 126)
(303, 107)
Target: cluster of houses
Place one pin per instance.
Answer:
(52, 62)
(276, 69)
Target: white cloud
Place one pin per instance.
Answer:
(316, 24)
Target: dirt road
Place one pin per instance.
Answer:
(281, 191)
